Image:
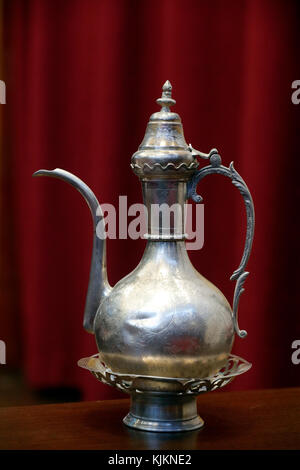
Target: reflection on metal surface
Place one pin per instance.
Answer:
(215, 167)
(164, 332)
(164, 404)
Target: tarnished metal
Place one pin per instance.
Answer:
(146, 383)
(164, 152)
(160, 403)
(98, 284)
(164, 319)
(216, 167)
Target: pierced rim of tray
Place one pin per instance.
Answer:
(180, 385)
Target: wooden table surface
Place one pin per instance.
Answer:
(259, 419)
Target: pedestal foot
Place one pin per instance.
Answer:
(163, 412)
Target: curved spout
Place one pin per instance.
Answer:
(98, 283)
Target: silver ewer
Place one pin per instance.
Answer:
(163, 324)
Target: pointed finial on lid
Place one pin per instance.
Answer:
(166, 99)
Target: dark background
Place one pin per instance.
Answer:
(81, 79)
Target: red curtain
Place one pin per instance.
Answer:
(82, 77)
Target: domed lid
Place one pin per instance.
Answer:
(164, 151)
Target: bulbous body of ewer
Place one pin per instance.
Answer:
(164, 319)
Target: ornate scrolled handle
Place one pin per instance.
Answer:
(216, 166)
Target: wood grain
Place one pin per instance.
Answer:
(260, 419)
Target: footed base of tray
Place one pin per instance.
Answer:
(163, 413)
(164, 404)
